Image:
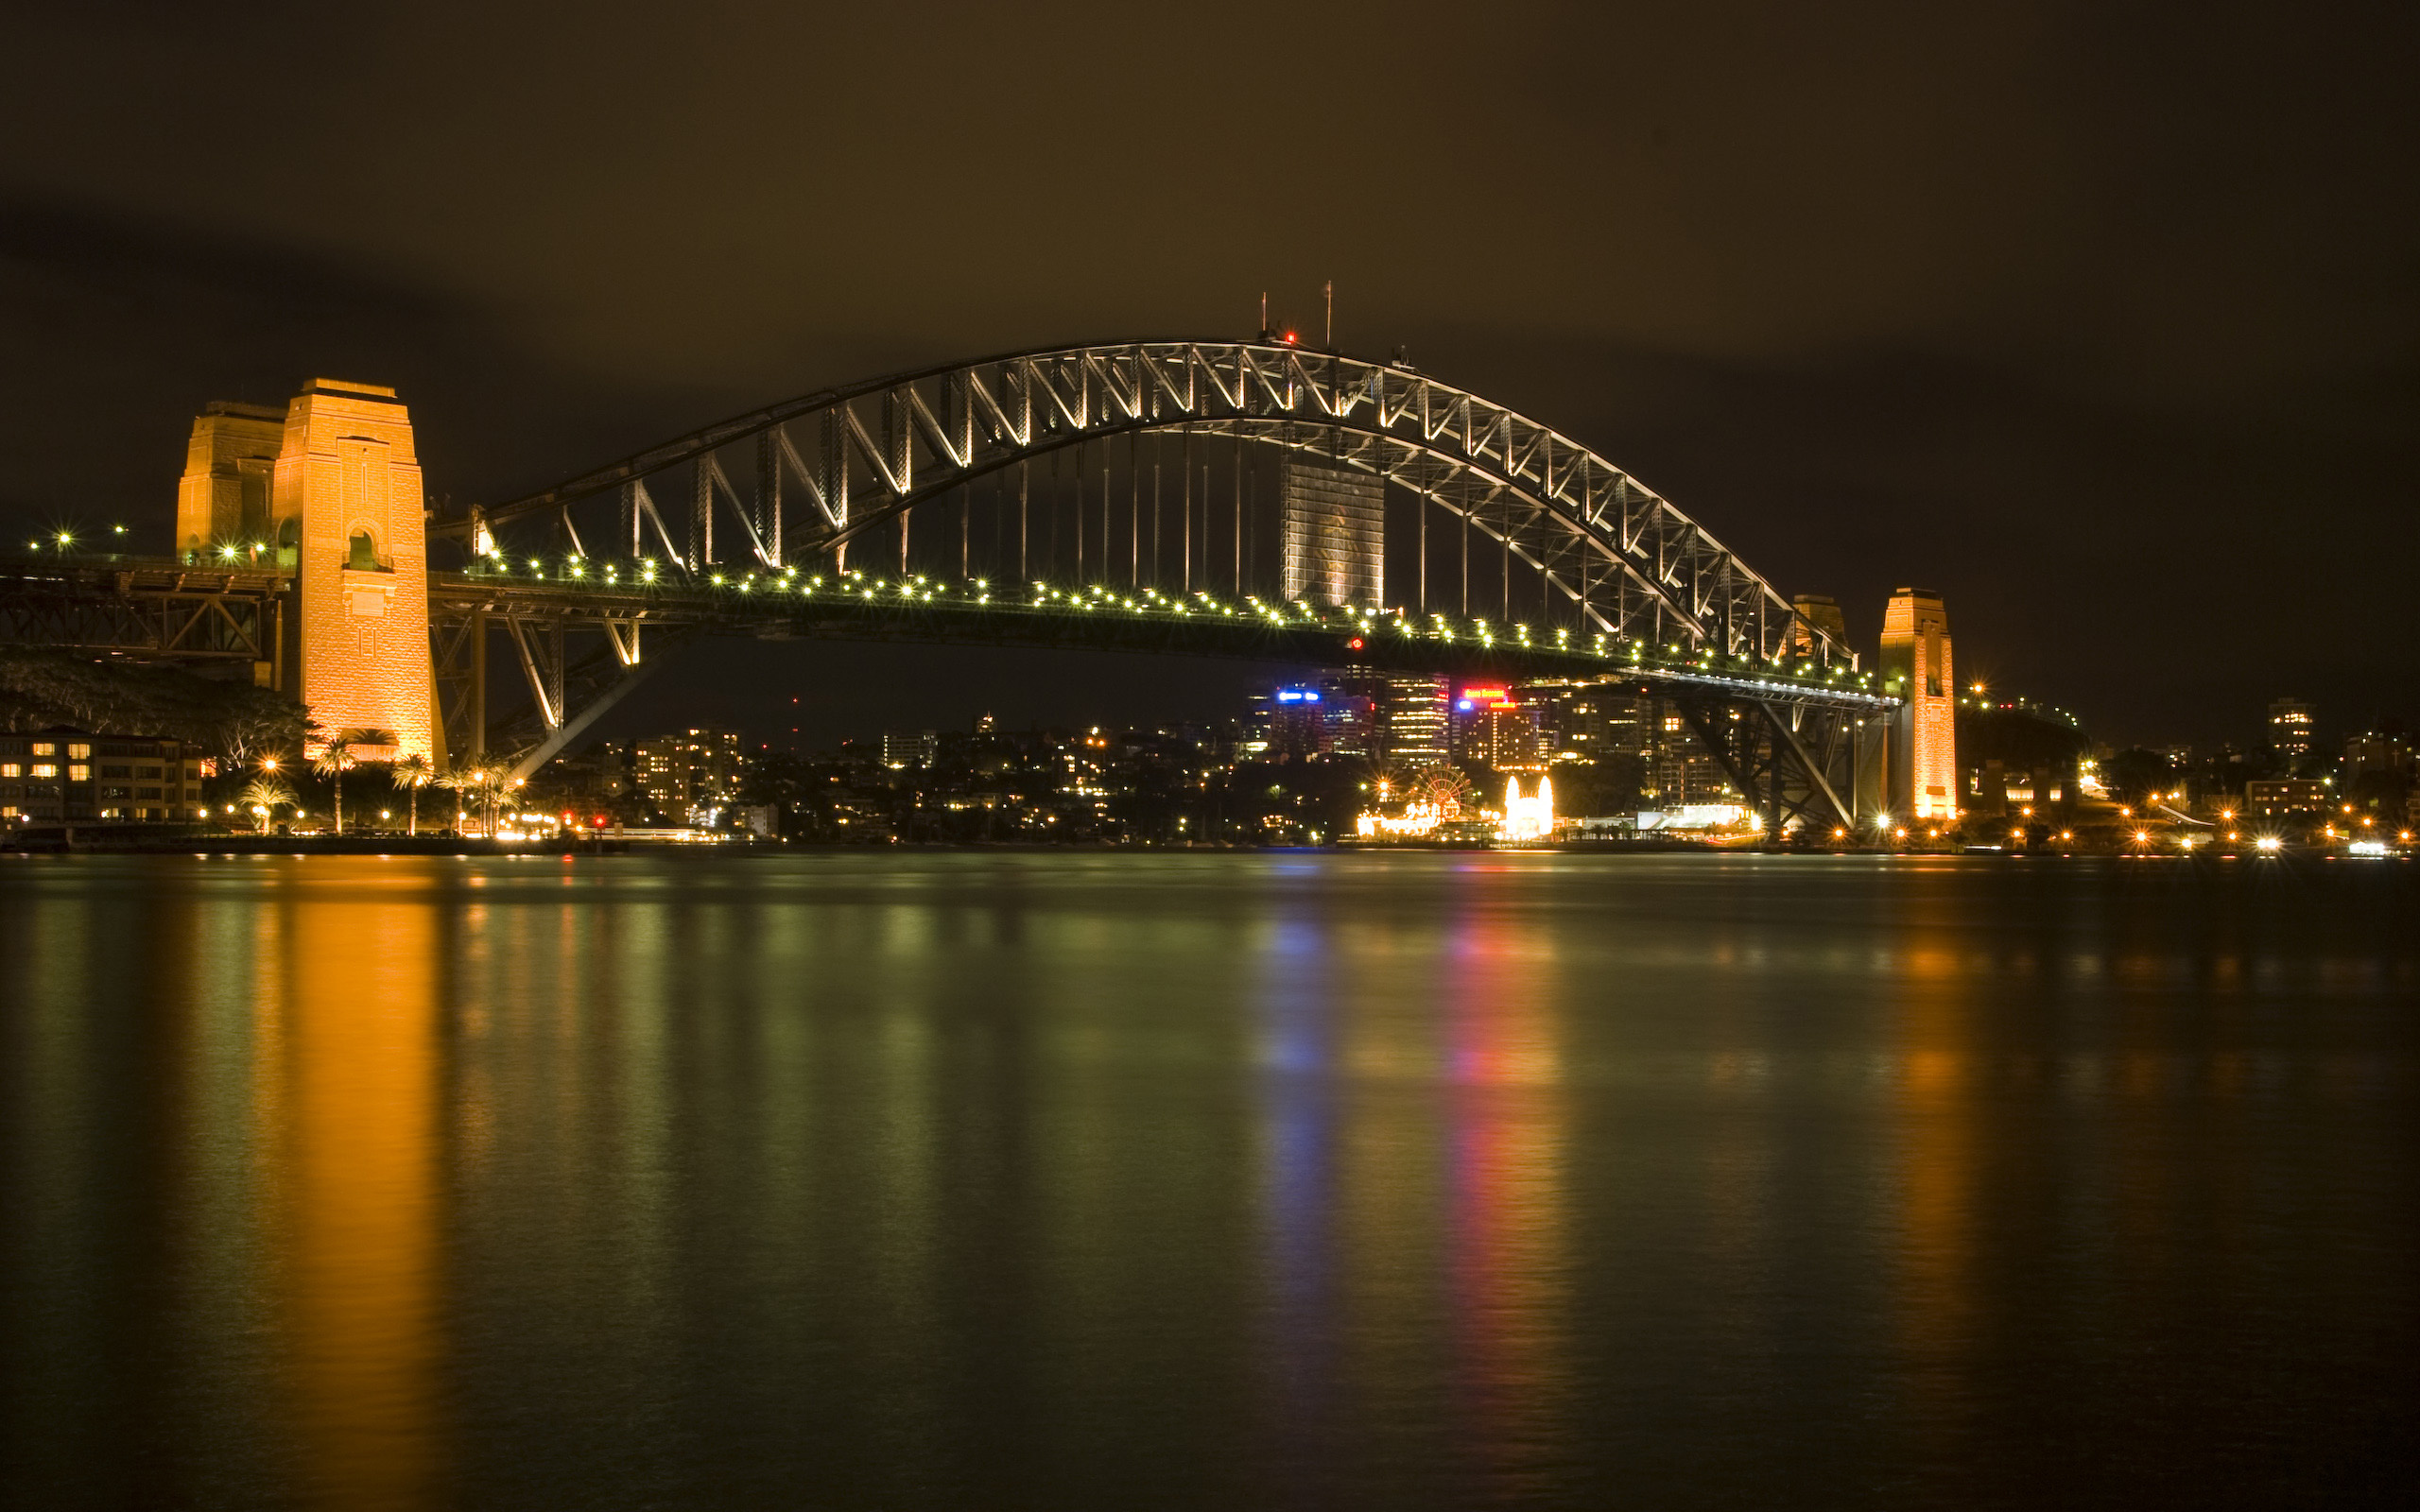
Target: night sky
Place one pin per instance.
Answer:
(2099, 319)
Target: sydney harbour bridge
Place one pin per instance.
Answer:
(1252, 500)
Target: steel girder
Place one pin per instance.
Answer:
(154, 612)
(568, 685)
(1793, 759)
(1629, 562)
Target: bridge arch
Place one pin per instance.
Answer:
(1617, 555)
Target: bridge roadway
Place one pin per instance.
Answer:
(575, 593)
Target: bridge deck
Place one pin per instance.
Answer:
(779, 606)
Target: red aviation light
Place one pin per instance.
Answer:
(1354, 645)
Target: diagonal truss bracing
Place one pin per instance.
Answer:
(1624, 558)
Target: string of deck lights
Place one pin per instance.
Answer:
(645, 573)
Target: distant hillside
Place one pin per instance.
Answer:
(41, 688)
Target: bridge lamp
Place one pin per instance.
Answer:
(65, 539)
(227, 551)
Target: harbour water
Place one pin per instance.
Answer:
(1104, 1180)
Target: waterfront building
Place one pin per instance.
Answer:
(63, 774)
(2278, 796)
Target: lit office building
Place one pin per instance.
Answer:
(1415, 718)
(1494, 727)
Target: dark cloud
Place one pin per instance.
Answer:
(2100, 317)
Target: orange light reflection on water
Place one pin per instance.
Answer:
(346, 1104)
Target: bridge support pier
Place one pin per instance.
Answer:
(1784, 757)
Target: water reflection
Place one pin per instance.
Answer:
(346, 1111)
(1071, 1181)
(1508, 1262)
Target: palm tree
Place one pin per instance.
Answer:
(411, 774)
(478, 783)
(263, 798)
(334, 762)
(495, 786)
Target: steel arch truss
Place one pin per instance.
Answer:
(844, 462)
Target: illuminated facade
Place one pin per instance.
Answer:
(1924, 743)
(223, 499)
(1333, 533)
(349, 478)
(330, 490)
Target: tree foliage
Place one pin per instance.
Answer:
(232, 720)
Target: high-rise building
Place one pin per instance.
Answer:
(1915, 666)
(691, 772)
(1332, 534)
(903, 749)
(1415, 719)
(2290, 728)
(1349, 722)
(1284, 723)
(1492, 727)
